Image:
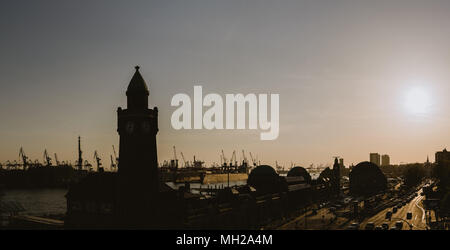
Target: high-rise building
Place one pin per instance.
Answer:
(442, 157)
(385, 160)
(375, 158)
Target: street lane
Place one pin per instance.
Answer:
(414, 206)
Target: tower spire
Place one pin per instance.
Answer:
(137, 92)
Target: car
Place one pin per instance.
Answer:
(370, 226)
(352, 227)
(409, 216)
(394, 210)
(393, 228)
(388, 214)
(399, 225)
(385, 226)
(399, 206)
(378, 228)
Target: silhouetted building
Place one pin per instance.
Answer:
(134, 197)
(265, 180)
(442, 157)
(341, 163)
(336, 179)
(299, 171)
(366, 178)
(375, 158)
(385, 160)
(138, 180)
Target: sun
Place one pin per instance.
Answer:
(417, 101)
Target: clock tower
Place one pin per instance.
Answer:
(138, 180)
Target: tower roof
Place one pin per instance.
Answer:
(137, 84)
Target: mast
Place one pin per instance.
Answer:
(80, 153)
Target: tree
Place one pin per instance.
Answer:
(413, 174)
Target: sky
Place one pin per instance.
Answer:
(353, 77)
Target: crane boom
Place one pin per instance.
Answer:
(47, 159)
(253, 159)
(98, 160)
(182, 157)
(115, 156)
(244, 158)
(174, 153)
(113, 163)
(24, 158)
(56, 160)
(224, 158)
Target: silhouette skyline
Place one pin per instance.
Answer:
(343, 71)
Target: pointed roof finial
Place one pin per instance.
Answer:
(137, 84)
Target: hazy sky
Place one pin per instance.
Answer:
(344, 70)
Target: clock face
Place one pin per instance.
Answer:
(129, 127)
(146, 126)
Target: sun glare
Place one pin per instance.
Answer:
(417, 101)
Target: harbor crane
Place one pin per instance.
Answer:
(24, 158)
(186, 164)
(113, 163)
(87, 165)
(80, 155)
(174, 162)
(98, 160)
(224, 158)
(115, 156)
(56, 160)
(233, 158)
(244, 158)
(47, 159)
(253, 159)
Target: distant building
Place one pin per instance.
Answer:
(375, 158)
(385, 160)
(336, 179)
(366, 178)
(341, 163)
(442, 156)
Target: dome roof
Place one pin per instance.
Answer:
(137, 84)
(366, 166)
(299, 171)
(264, 170)
(367, 178)
(265, 179)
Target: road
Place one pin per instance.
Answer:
(415, 206)
(318, 221)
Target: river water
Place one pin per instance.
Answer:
(44, 202)
(38, 202)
